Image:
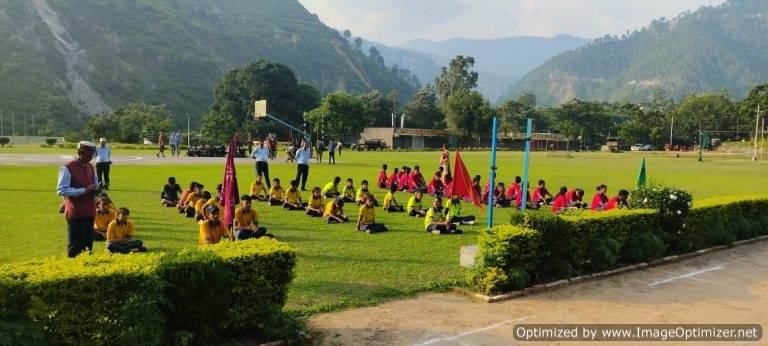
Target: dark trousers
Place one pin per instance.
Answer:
(302, 173)
(102, 172)
(79, 236)
(262, 168)
(373, 228)
(243, 234)
(331, 157)
(467, 218)
(441, 228)
(126, 247)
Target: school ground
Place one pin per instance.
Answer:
(724, 287)
(337, 267)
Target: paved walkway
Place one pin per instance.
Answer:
(143, 159)
(729, 286)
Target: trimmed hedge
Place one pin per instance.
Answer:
(147, 298)
(547, 247)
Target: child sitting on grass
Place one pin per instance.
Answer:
(574, 199)
(104, 216)
(292, 199)
(246, 222)
(381, 180)
(182, 205)
(436, 221)
(212, 230)
(500, 200)
(334, 211)
(453, 212)
(316, 203)
(363, 194)
(600, 199)
(192, 199)
(390, 204)
(276, 193)
(560, 204)
(120, 235)
(415, 206)
(435, 185)
(259, 190)
(200, 204)
(619, 201)
(349, 191)
(331, 189)
(169, 197)
(366, 218)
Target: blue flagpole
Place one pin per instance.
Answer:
(492, 177)
(526, 159)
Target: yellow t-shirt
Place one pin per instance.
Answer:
(368, 214)
(199, 205)
(212, 201)
(193, 198)
(330, 209)
(362, 195)
(292, 197)
(258, 189)
(330, 188)
(276, 192)
(245, 219)
(349, 192)
(389, 200)
(210, 232)
(414, 204)
(434, 216)
(119, 232)
(316, 202)
(101, 221)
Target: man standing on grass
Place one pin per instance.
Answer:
(161, 145)
(303, 155)
(78, 184)
(103, 161)
(261, 155)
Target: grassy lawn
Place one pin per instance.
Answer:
(337, 266)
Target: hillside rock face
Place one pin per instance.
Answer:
(64, 60)
(703, 51)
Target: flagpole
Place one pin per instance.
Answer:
(492, 177)
(526, 159)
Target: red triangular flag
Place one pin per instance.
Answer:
(230, 192)
(462, 183)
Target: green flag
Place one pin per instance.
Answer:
(641, 175)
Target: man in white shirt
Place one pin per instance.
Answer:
(303, 155)
(103, 162)
(261, 155)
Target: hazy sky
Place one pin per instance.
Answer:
(398, 21)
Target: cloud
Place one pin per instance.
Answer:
(398, 21)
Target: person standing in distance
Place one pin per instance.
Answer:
(78, 184)
(303, 155)
(161, 145)
(261, 155)
(103, 162)
(332, 153)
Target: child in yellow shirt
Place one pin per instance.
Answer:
(366, 218)
(292, 199)
(334, 212)
(349, 191)
(390, 204)
(199, 204)
(259, 190)
(212, 230)
(120, 235)
(246, 222)
(104, 215)
(276, 193)
(315, 205)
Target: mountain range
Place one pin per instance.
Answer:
(64, 60)
(713, 48)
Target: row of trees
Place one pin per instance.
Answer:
(451, 103)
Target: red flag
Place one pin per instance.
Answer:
(231, 195)
(462, 183)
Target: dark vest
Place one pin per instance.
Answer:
(82, 206)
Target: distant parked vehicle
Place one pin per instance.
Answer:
(371, 144)
(647, 147)
(636, 147)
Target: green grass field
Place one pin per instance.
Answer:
(337, 266)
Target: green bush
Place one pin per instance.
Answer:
(548, 247)
(50, 141)
(150, 298)
(4, 141)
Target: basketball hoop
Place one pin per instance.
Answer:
(260, 109)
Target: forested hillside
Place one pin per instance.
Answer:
(64, 60)
(714, 48)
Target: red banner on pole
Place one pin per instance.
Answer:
(230, 192)
(462, 183)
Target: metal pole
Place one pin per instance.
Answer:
(701, 145)
(671, 127)
(2, 129)
(189, 133)
(757, 128)
(762, 139)
(526, 159)
(492, 176)
(13, 123)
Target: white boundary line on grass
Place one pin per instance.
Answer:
(685, 276)
(454, 337)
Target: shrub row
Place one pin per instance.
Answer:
(541, 247)
(147, 298)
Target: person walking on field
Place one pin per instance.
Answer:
(332, 153)
(78, 184)
(103, 162)
(161, 145)
(261, 155)
(174, 142)
(340, 146)
(303, 155)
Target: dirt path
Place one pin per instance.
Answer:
(148, 158)
(728, 286)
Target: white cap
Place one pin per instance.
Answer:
(85, 144)
(102, 139)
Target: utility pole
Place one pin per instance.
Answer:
(33, 124)
(671, 127)
(757, 128)
(13, 123)
(189, 133)
(2, 129)
(762, 139)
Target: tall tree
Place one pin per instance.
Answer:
(131, 123)
(377, 109)
(748, 107)
(707, 112)
(467, 114)
(236, 93)
(339, 114)
(423, 111)
(590, 120)
(458, 76)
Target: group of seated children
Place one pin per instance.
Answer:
(405, 178)
(114, 226)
